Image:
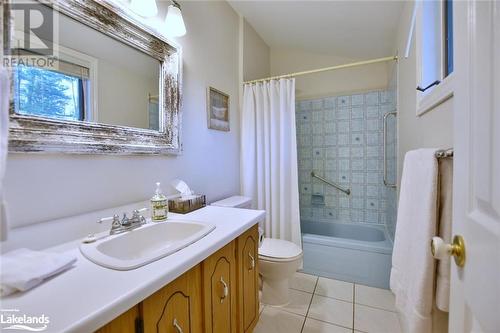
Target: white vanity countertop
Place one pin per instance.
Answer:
(88, 296)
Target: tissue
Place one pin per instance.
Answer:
(183, 189)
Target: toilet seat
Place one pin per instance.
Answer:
(278, 250)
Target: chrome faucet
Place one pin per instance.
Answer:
(126, 223)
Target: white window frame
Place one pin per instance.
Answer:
(444, 90)
(85, 60)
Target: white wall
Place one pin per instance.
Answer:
(356, 79)
(432, 129)
(256, 55)
(44, 187)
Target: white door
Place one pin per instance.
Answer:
(475, 288)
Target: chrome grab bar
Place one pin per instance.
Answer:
(338, 187)
(386, 183)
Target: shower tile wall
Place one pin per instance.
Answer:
(341, 139)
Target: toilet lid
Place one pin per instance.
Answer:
(277, 248)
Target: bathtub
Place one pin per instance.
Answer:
(359, 253)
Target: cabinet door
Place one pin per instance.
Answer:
(125, 323)
(176, 308)
(248, 289)
(219, 291)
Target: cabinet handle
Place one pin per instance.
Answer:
(177, 326)
(226, 290)
(252, 261)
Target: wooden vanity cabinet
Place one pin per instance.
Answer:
(125, 323)
(220, 291)
(219, 295)
(177, 307)
(247, 256)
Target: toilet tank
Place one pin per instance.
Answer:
(235, 202)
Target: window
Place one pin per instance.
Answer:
(59, 92)
(448, 25)
(47, 93)
(434, 53)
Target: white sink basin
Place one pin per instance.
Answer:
(144, 245)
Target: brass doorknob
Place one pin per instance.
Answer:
(440, 249)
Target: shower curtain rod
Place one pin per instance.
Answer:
(319, 70)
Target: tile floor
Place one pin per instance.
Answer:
(321, 305)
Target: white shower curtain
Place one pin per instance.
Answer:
(269, 156)
(4, 136)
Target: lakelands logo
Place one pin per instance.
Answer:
(12, 319)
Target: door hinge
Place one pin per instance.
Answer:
(139, 325)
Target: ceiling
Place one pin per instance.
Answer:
(351, 29)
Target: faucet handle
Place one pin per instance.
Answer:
(137, 217)
(125, 220)
(136, 212)
(115, 218)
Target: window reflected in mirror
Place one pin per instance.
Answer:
(48, 93)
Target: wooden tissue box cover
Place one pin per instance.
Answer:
(183, 206)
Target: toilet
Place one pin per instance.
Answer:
(278, 259)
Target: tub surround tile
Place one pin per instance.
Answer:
(372, 112)
(371, 320)
(317, 326)
(348, 130)
(332, 311)
(317, 104)
(358, 152)
(331, 214)
(335, 289)
(372, 98)
(357, 113)
(372, 217)
(375, 297)
(330, 127)
(343, 126)
(303, 282)
(330, 103)
(343, 101)
(357, 100)
(318, 165)
(357, 125)
(305, 105)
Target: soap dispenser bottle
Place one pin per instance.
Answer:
(159, 206)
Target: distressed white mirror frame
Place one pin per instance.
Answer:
(38, 134)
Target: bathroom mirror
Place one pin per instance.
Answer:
(88, 78)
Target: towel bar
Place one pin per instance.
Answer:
(444, 153)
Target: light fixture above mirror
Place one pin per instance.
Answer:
(174, 22)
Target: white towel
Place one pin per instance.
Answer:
(23, 269)
(444, 231)
(4, 137)
(412, 273)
